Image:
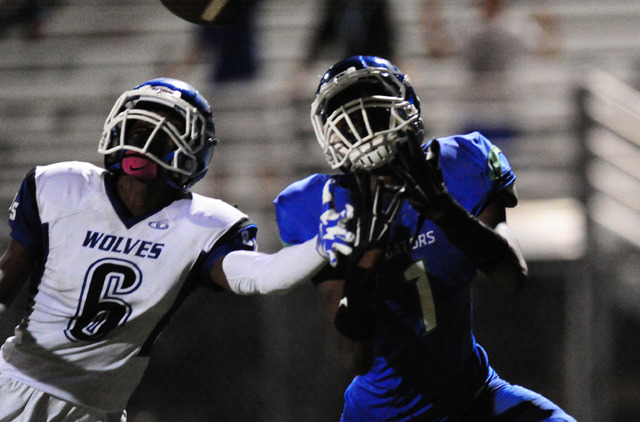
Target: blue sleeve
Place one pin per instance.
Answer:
(299, 206)
(474, 170)
(240, 237)
(24, 218)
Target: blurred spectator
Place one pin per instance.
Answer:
(355, 27)
(344, 28)
(348, 28)
(438, 41)
(489, 46)
(29, 14)
(231, 49)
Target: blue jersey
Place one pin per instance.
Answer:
(425, 354)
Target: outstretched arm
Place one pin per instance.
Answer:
(354, 355)
(510, 272)
(252, 272)
(486, 240)
(15, 266)
(349, 304)
(249, 272)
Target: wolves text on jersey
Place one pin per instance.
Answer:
(124, 245)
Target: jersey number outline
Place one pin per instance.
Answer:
(102, 305)
(417, 273)
(13, 211)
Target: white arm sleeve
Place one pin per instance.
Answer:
(250, 272)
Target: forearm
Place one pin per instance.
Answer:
(494, 251)
(15, 266)
(511, 272)
(476, 240)
(249, 272)
(356, 356)
(354, 314)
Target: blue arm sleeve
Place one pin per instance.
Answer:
(475, 171)
(298, 209)
(241, 237)
(299, 206)
(24, 218)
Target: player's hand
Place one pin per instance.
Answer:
(422, 176)
(375, 207)
(334, 238)
(356, 314)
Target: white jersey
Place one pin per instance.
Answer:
(107, 283)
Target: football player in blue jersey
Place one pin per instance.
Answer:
(112, 252)
(428, 216)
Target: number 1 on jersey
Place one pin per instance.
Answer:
(418, 272)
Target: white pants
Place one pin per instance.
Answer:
(26, 404)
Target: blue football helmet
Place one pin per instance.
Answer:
(363, 106)
(171, 109)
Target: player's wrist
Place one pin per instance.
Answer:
(357, 322)
(448, 213)
(359, 282)
(356, 314)
(432, 207)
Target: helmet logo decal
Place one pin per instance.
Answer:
(495, 167)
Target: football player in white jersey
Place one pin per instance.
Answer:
(112, 252)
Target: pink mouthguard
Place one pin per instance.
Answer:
(139, 166)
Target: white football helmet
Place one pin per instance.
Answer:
(158, 102)
(363, 106)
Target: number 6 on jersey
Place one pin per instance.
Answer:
(102, 307)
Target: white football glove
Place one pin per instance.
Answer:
(333, 236)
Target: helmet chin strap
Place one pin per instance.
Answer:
(139, 166)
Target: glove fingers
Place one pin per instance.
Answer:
(403, 164)
(346, 214)
(403, 158)
(433, 154)
(395, 204)
(333, 237)
(343, 249)
(327, 195)
(333, 258)
(346, 236)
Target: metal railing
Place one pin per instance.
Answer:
(608, 128)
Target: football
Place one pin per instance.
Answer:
(206, 12)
